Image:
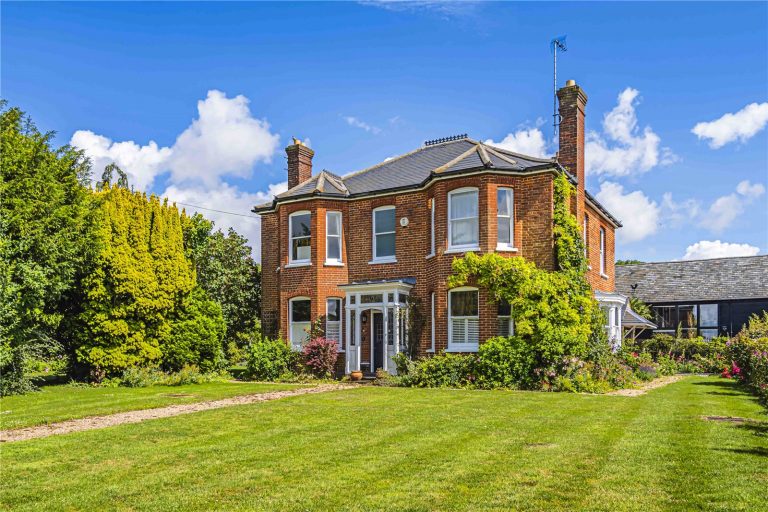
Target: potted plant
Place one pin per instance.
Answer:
(356, 375)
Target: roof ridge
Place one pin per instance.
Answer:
(691, 261)
(412, 152)
(456, 160)
(521, 155)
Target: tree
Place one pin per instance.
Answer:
(628, 262)
(44, 239)
(196, 335)
(227, 272)
(138, 280)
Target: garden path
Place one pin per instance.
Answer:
(110, 420)
(656, 383)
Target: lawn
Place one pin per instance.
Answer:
(64, 402)
(414, 449)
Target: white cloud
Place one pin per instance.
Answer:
(707, 249)
(624, 149)
(225, 140)
(527, 141)
(638, 214)
(676, 213)
(725, 209)
(141, 163)
(359, 123)
(227, 198)
(741, 126)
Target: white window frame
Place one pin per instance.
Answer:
(297, 345)
(383, 259)
(431, 228)
(585, 236)
(340, 345)
(466, 346)
(328, 238)
(463, 247)
(602, 252)
(432, 323)
(503, 246)
(301, 262)
(509, 320)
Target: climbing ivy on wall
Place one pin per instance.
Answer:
(569, 246)
(554, 312)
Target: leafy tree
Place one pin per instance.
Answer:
(44, 233)
(196, 335)
(228, 273)
(628, 262)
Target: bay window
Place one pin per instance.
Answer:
(505, 214)
(431, 227)
(333, 238)
(384, 234)
(463, 231)
(463, 320)
(299, 316)
(300, 243)
(333, 321)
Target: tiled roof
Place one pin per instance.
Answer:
(698, 280)
(413, 169)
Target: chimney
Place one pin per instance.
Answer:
(299, 163)
(573, 102)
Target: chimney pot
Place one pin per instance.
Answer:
(570, 83)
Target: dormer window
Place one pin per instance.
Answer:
(463, 231)
(300, 237)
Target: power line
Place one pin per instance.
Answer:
(213, 210)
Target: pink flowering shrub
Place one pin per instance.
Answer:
(749, 355)
(319, 357)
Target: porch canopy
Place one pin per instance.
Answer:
(387, 296)
(634, 324)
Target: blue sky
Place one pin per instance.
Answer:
(197, 101)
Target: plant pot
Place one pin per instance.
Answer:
(356, 376)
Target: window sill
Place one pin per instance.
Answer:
(459, 250)
(382, 261)
(505, 248)
(430, 351)
(604, 276)
(295, 264)
(431, 255)
(459, 350)
(333, 264)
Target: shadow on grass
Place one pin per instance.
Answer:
(756, 451)
(759, 429)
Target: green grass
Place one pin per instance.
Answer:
(64, 402)
(413, 450)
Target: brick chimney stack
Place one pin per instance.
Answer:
(299, 163)
(573, 102)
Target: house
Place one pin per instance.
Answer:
(705, 298)
(351, 250)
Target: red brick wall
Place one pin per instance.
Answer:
(533, 238)
(595, 222)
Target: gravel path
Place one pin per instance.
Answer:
(121, 418)
(656, 383)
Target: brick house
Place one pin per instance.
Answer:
(352, 249)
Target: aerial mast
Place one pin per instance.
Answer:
(556, 44)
